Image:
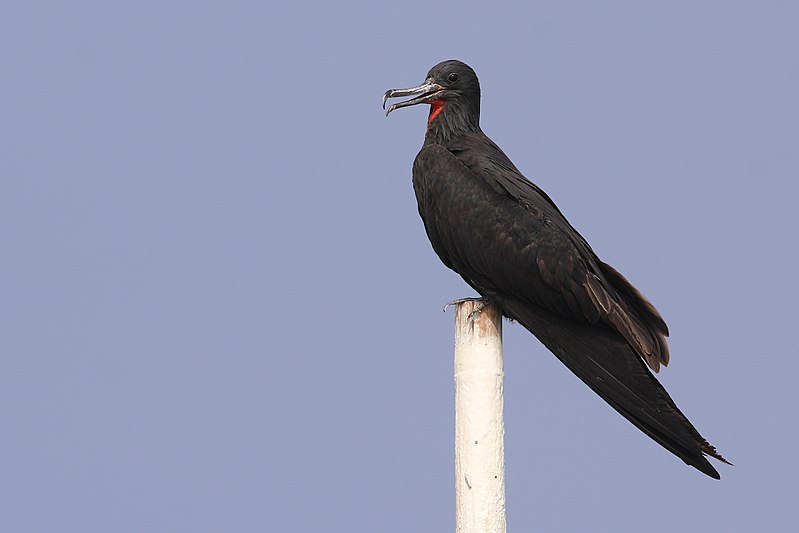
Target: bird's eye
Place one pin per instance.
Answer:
(452, 77)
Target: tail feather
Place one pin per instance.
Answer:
(604, 361)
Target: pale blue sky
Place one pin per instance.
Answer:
(221, 313)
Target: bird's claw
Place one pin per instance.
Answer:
(479, 303)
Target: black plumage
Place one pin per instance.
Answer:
(511, 243)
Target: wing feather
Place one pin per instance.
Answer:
(509, 241)
(586, 287)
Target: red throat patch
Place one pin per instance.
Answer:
(435, 108)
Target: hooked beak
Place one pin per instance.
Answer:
(428, 91)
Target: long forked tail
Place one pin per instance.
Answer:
(604, 361)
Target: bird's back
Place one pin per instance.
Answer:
(503, 233)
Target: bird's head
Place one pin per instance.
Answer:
(453, 92)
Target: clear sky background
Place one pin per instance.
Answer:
(220, 311)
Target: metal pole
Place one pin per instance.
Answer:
(479, 424)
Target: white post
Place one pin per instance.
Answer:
(479, 425)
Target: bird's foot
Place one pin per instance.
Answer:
(479, 303)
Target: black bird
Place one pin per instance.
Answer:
(510, 242)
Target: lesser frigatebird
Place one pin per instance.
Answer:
(510, 242)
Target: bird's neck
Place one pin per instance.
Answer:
(448, 120)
